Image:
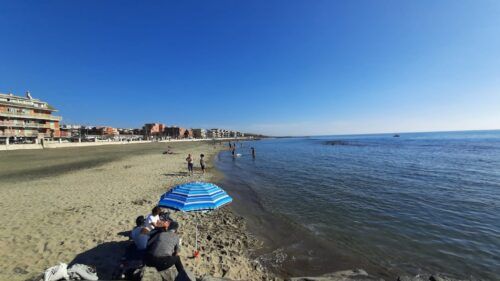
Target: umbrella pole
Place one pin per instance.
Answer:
(196, 252)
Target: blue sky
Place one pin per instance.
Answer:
(272, 67)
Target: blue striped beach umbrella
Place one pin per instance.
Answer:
(195, 196)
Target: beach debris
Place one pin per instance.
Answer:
(56, 272)
(82, 272)
(75, 272)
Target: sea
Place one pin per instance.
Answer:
(416, 203)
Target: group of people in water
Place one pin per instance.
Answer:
(157, 242)
(232, 147)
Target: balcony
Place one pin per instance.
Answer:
(24, 134)
(40, 116)
(23, 125)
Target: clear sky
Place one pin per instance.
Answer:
(271, 67)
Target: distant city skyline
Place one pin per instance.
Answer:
(270, 67)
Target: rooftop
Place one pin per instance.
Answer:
(27, 101)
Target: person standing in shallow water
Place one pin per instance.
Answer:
(253, 152)
(202, 163)
(189, 159)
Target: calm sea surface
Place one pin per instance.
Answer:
(420, 203)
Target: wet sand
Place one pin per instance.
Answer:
(77, 204)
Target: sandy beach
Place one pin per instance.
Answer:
(76, 204)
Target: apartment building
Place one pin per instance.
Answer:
(199, 133)
(27, 118)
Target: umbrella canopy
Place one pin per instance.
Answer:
(195, 196)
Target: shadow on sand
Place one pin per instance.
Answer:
(105, 257)
(178, 174)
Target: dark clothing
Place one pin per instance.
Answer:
(164, 263)
(202, 164)
(161, 251)
(165, 243)
(190, 167)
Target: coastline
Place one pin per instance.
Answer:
(81, 214)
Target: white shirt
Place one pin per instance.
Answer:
(151, 221)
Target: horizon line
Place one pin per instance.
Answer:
(387, 133)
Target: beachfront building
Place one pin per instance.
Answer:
(153, 130)
(70, 131)
(226, 134)
(137, 132)
(125, 131)
(222, 133)
(27, 119)
(130, 134)
(175, 132)
(199, 133)
(107, 131)
(236, 134)
(213, 133)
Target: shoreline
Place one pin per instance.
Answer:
(283, 239)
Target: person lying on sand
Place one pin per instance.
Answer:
(169, 150)
(153, 220)
(163, 250)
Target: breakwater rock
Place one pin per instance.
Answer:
(150, 274)
(345, 275)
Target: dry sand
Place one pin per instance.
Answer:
(75, 204)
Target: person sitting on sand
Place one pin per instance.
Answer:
(202, 163)
(190, 159)
(138, 236)
(163, 250)
(153, 220)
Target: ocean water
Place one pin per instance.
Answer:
(421, 203)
